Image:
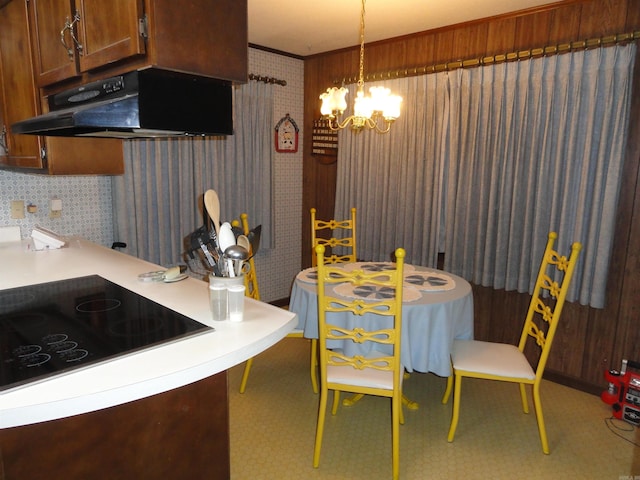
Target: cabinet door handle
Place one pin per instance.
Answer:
(4, 145)
(68, 25)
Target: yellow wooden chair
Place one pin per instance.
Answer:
(252, 290)
(374, 374)
(508, 363)
(348, 228)
(343, 235)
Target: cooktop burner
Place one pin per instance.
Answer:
(51, 328)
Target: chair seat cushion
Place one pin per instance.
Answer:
(498, 359)
(367, 377)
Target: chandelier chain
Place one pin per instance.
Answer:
(361, 77)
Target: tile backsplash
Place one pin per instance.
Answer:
(87, 200)
(86, 204)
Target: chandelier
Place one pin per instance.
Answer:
(377, 111)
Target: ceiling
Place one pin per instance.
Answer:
(307, 27)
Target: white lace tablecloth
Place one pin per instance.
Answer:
(437, 308)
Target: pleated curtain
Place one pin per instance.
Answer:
(158, 201)
(485, 162)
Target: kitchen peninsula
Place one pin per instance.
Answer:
(157, 412)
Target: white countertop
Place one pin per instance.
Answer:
(140, 374)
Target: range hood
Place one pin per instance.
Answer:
(140, 104)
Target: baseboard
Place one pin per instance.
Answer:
(573, 382)
(283, 302)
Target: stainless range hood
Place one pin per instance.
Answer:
(140, 104)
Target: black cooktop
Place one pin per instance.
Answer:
(51, 328)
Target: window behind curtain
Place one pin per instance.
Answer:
(490, 160)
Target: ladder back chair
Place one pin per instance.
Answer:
(253, 291)
(378, 373)
(342, 237)
(508, 363)
(346, 227)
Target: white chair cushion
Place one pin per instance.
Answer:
(367, 377)
(498, 359)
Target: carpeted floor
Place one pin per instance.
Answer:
(273, 427)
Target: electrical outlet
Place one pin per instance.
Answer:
(55, 208)
(17, 209)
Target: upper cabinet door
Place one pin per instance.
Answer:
(108, 31)
(17, 97)
(71, 37)
(54, 61)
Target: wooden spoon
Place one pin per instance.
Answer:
(212, 204)
(243, 241)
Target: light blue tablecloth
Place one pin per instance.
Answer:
(431, 320)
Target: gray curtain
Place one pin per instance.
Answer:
(395, 180)
(528, 147)
(158, 200)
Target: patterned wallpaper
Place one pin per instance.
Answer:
(87, 201)
(86, 204)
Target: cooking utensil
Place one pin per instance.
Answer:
(254, 239)
(243, 242)
(212, 204)
(237, 254)
(206, 252)
(225, 240)
(237, 231)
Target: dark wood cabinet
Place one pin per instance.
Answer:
(83, 40)
(48, 46)
(20, 99)
(16, 98)
(179, 434)
(71, 37)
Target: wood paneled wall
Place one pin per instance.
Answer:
(588, 340)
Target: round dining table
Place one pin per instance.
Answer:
(437, 308)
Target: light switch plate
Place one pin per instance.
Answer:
(17, 209)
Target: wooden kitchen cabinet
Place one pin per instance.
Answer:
(20, 99)
(71, 37)
(178, 434)
(98, 38)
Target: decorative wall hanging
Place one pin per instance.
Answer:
(286, 135)
(324, 140)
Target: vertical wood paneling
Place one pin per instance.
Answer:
(501, 35)
(599, 18)
(443, 51)
(421, 48)
(469, 42)
(565, 24)
(588, 340)
(533, 30)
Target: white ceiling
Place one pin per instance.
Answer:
(307, 27)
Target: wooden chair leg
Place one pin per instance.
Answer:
(396, 416)
(245, 375)
(314, 365)
(447, 391)
(537, 404)
(456, 408)
(322, 412)
(336, 402)
(523, 398)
